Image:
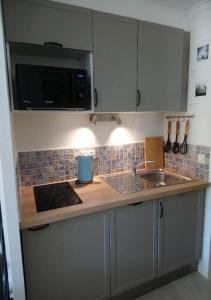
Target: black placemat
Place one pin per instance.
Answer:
(52, 196)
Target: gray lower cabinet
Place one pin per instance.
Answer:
(115, 62)
(101, 255)
(163, 59)
(68, 260)
(180, 230)
(133, 246)
(37, 22)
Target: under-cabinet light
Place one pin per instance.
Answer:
(94, 118)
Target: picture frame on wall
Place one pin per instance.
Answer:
(200, 89)
(201, 55)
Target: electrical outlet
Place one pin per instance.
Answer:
(201, 158)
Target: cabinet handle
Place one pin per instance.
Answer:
(96, 97)
(52, 44)
(40, 227)
(138, 101)
(137, 203)
(161, 210)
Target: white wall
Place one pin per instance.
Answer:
(200, 127)
(8, 195)
(200, 29)
(139, 9)
(40, 131)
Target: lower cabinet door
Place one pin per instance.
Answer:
(133, 245)
(179, 230)
(68, 260)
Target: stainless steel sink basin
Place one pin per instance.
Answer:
(129, 183)
(163, 178)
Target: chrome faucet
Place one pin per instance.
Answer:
(134, 166)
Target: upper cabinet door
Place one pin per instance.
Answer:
(38, 23)
(162, 67)
(115, 63)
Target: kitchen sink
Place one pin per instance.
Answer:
(129, 182)
(163, 178)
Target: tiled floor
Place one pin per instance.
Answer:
(191, 287)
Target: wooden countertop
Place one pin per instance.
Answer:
(96, 197)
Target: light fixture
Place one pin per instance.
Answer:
(94, 118)
(116, 119)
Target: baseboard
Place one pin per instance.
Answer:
(155, 283)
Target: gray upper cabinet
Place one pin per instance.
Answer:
(133, 246)
(38, 22)
(162, 67)
(68, 260)
(138, 66)
(115, 62)
(180, 227)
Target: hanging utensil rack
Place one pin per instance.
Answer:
(180, 117)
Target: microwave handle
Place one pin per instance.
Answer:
(54, 44)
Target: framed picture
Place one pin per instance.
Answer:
(201, 54)
(200, 88)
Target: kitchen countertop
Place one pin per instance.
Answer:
(96, 197)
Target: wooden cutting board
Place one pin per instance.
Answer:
(153, 150)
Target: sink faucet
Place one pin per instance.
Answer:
(134, 165)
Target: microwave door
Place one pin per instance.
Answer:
(41, 87)
(57, 89)
(51, 88)
(28, 86)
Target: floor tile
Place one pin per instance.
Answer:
(191, 287)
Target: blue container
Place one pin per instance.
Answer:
(85, 168)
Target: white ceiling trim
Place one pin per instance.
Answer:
(180, 5)
(198, 7)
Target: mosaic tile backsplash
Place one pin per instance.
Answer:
(41, 167)
(187, 164)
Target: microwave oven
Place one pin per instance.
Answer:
(51, 88)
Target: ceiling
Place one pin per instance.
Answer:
(183, 5)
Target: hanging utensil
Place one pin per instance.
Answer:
(184, 146)
(168, 142)
(176, 147)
